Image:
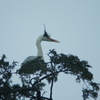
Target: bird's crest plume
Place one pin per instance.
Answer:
(45, 33)
(44, 28)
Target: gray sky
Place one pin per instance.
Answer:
(76, 23)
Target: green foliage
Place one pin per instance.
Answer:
(32, 75)
(32, 67)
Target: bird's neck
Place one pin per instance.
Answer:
(39, 48)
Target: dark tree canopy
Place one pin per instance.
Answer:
(32, 76)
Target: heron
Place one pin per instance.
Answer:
(44, 37)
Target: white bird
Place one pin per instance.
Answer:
(44, 37)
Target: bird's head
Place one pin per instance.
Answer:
(47, 37)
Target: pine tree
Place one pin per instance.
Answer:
(32, 76)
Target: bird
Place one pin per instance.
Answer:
(44, 37)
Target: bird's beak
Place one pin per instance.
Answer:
(54, 40)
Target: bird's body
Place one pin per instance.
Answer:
(44, 37)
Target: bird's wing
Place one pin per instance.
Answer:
(30, 58)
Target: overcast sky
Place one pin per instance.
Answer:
(75, 23)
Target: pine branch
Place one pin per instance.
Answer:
(18, 90)
(44, 77)
(51, 89)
